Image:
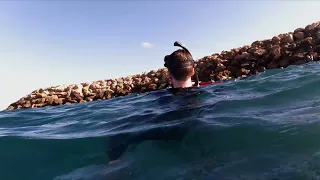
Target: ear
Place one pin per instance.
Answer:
(193, 72)
(169, 76)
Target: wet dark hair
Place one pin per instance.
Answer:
(180, 64)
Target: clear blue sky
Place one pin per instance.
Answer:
(44, 43)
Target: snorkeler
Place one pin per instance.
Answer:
(181, 68)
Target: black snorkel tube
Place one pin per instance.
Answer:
(169, 64)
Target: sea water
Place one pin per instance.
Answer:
(263, 127)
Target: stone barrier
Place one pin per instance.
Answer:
(293, 48)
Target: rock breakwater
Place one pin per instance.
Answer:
(292, 48)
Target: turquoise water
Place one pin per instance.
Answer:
(263, 127)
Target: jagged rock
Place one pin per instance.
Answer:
(38, 101)
(109, 82)
(58, 101)
(223, 75)
(155, 81)
(108, 94)
(230, 55)
(298, 30)
(89, 99)
(275, 52)
(272, 65)
(152, 87)
(288, 38)
(276, 40)
(146, 80)
(85, 84)
(299, 59)
(284, 62)
(305, 45)
(312, 26)
(318, 34)
(246, 64)
(257, 44)
(298, 36)
(61, 94)
(245, 48)
(100, 94)
(220, 67)
(252, 50)
(152, 73)
(259, 52)
(10, 108)
(241, 57)
(317, 49)
(51, 99)
(261, 69)
(27, 104)
(85, 91)
(245, 71)
(292, 46)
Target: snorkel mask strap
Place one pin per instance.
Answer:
(177, 43)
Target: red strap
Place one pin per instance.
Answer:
(207, 83)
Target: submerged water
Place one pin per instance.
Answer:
(263, 127)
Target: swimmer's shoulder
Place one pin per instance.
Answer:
(178, 91)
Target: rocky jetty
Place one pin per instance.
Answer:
(292, 48)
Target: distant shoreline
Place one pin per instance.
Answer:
(292, 48)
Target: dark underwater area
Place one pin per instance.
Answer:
(265, 126)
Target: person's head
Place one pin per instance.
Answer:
(180, 66)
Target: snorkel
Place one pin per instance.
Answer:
(169, 64)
